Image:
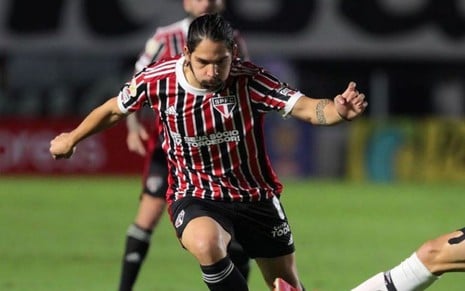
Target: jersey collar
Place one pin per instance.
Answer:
(183, 80)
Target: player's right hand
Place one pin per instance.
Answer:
(351, 103)
(136, 140)
(61, 147)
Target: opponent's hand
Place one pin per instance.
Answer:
(61, 147)
(136, 140)
(351, 103)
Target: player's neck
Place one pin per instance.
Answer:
(189, 74)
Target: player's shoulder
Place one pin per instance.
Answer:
(161, 68)
(254, 73)
(180, 26)
(244, 68)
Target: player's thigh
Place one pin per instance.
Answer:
(262, 229)
(283, 267)
(155, 174)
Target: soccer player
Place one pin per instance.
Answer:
(433, 258)
(166, 42)
(221, 184)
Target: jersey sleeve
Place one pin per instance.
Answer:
(133, 95)
(269, 93)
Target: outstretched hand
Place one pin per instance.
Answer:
(351, 103)
(61, 147)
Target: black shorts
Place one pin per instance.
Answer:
(155, 176)
(260, 227)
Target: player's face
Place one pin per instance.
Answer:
(209, 64)
(196, 8)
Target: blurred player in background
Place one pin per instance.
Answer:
(166, 42)
(435, 257)
(221, 183)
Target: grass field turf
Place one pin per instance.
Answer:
(68, 233)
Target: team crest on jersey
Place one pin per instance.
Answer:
(224, 104)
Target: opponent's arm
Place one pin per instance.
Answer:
(104, 116)
(345, 106)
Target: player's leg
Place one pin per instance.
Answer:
(206, 239)
(411, 274)
(138, 238)
(283, 267)
(445, 253)
(264, 232)
(239, 258)
(151, 207)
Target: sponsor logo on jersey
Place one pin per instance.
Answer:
(176, 137)
(213, 139)
(224, 104)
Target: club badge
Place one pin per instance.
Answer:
(224, 104)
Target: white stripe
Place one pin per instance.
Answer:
(215, 278)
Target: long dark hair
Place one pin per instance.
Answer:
(210, 26)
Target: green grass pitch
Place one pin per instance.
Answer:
(67, 234)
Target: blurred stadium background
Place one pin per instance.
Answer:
(401, 167)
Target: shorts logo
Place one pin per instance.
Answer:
(281, 230)
(179, 219)
(224, 104)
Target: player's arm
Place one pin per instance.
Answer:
(345, 106)
(99, 119)
(137, 135)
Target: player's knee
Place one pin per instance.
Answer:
(206, 249)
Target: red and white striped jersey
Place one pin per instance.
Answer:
(167, 41)
(170, 40)
(213, 140)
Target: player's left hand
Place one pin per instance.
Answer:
(61, 147)
(351, 103)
